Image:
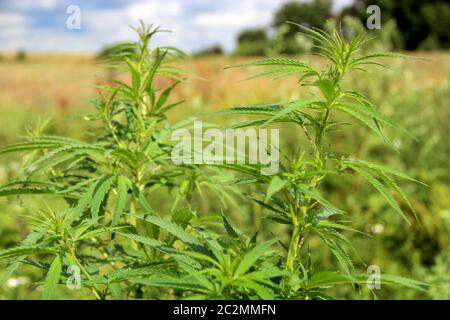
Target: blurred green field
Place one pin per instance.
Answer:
(415, 93)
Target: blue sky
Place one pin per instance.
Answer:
(40, 25)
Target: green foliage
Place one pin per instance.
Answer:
(284, 42)
(52, 279)
(293, 196)
(124, 248)
(422, 23)
(312, 14)
(21, 55)
(252, 42)
(107, 181)
(214, 50)
(116, 51)
(387, 38)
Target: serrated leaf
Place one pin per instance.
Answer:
(388, 279)
(384, 192)
(252, 256)
(127, 273)
(84, 201)
(171, 227)
(290, 107)
(52, 279)
(364, 119)
(115, 290)
(229, 228)
(166, 282)
(370, 111)
(381, 168)
(165, 95)
(277, 73)
(276, 184)
(101, 190)
(25, 250)
(144, 240)
(258, 122)
(26, 146)
(24, 190)
(314, 194)
(328, 279)
(255, 109)
(262, 291)
(390, 182)
(334, 225)
(327, 88)
(275, 62)
(182, 217)
(323, 214)
(340, 254)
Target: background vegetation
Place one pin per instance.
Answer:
(35, 88)
(409, 25)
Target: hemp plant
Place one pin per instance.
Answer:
(106, 182)
(110, 239)
(293, 196)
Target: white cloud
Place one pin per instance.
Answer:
(142, 10)
(341, 4)
(156, 9)
(195, 24)
(220, 20)
(33, 4)
(14, 27)
(223, 23)
(8, 20)
(251, 12)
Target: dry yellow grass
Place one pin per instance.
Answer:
(52, 84)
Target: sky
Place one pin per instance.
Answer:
(41, 25)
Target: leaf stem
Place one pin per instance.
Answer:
(321, 128)
(293, 248)
(94, 289)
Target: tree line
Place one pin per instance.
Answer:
(406, 24)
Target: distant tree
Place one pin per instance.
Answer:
(214, 50)
(21, 55)
(296, 43)
(437, 18)
(252, 42)
(422, 23)
(310, 14)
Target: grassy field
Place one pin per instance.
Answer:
(415, 93)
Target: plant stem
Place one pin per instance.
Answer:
(94, 289)
(293, 248)
(308, 136)
(298, 219)
(322, 127)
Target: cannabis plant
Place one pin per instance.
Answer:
(107, 181)
(110, 239)
(292, 197)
